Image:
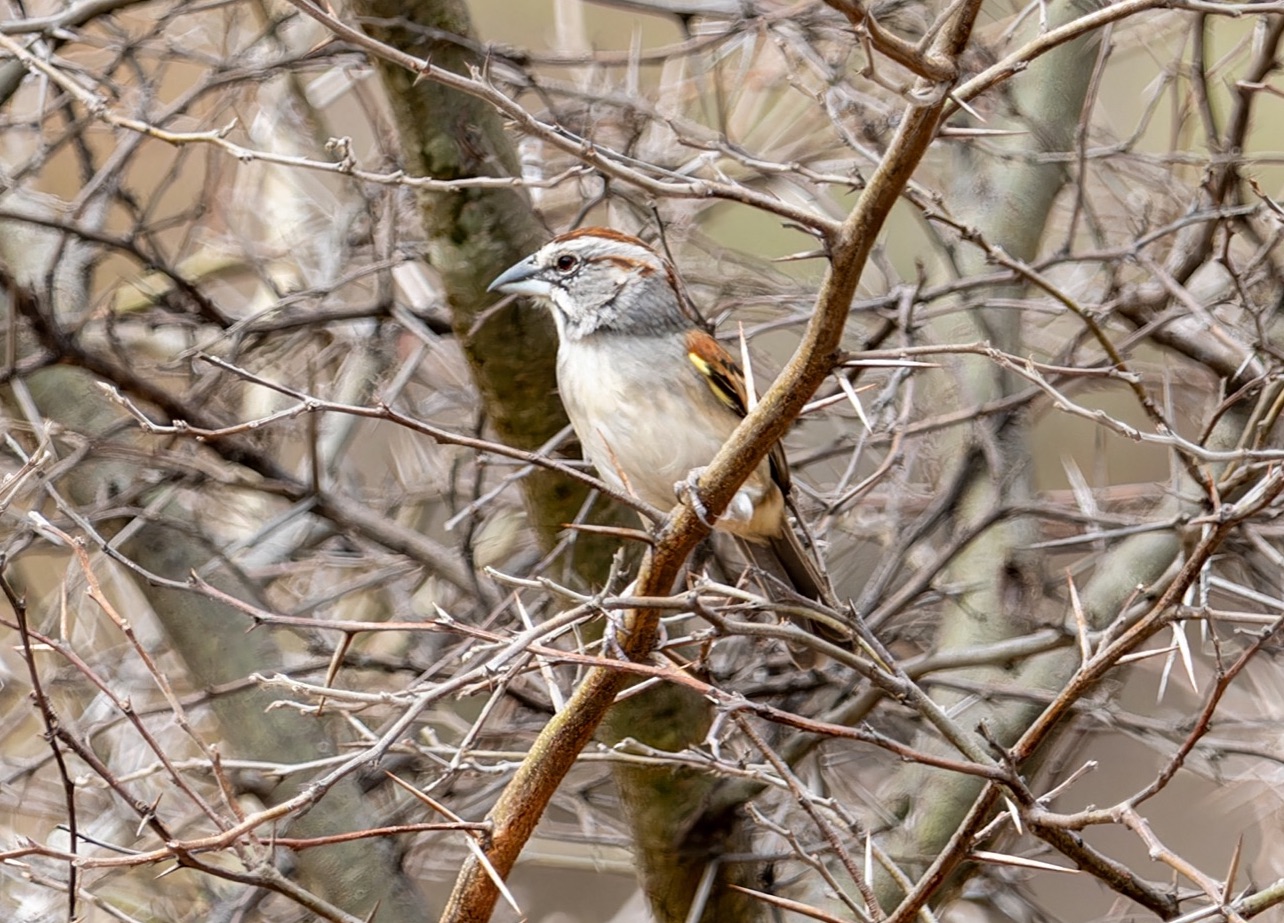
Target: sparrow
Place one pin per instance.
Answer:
(651, 395)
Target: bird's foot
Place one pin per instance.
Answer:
(688, 491)
(740, 509)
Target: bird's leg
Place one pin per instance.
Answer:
(688, 491)
(740, 509)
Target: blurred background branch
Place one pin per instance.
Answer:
(266, 551)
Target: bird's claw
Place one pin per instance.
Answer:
(689, 491)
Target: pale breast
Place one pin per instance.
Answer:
(645, 424)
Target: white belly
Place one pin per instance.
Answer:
(642, 438)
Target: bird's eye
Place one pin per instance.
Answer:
(566, 262)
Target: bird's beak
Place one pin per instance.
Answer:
(521, 279)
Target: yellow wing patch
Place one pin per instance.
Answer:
(719, 383)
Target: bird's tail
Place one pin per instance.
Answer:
(784, 558)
